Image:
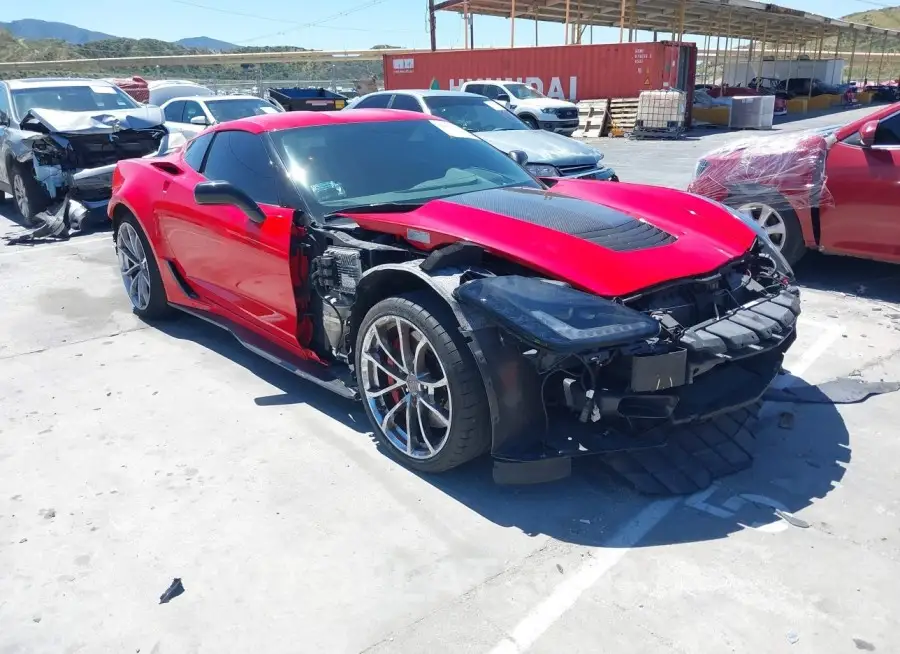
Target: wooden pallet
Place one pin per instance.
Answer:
(592, 118)
(622, 114)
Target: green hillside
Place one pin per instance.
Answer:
(13, 49)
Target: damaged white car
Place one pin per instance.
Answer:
(60, 140)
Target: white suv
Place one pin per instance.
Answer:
(532, 106)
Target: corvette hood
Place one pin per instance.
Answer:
(610, 239)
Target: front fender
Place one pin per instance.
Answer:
(511, 383)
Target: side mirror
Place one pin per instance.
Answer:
(519, 157)
(503, 97)
(199, 120)
(225, 193)
(867, 133)
(4, 119)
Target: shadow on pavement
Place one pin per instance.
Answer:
(791, 468)
(859, 277)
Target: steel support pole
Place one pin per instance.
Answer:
(621, 20)
(716, 61)
(762, 51)
(881, 60)
(852, 57)
(567, 21)
(868, 58)
(512, 24)
(432, 31)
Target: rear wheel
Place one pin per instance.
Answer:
(420, 385)
(140, 272)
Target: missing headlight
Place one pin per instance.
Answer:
(556, 317)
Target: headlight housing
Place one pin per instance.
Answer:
(542, 170)
(556, 317)
(768, 248)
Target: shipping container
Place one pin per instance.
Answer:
(569, 72)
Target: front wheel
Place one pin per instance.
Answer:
(530, 121)
(30, 197)
(775, 215)
(420, 384)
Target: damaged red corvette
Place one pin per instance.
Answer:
(395, 258)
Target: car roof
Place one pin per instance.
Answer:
(210, 98)
(493, 81)
(45, 82)
(292, 119)
(428, 93)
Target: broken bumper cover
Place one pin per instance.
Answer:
(718, 367)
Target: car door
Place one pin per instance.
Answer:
(864, 182)
(241, 266)
(193, 109)
(173, 112)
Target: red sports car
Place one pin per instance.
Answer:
(836, 190)
(395, 258)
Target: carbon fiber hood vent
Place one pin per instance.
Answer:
(586, 220)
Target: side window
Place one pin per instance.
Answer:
(193, 156)
(888, 132)
(406, 102)
(474, 88)
(191, 109)
(492, 91)
(242, 159)
(379, 101)
(174, 110)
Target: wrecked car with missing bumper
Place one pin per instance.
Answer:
(60, 140)
(471, 307)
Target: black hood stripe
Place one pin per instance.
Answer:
(590, 221)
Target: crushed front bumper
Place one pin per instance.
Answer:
(728, 363)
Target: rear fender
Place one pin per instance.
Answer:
(510, 382)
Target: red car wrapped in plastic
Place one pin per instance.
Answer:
(834, 189)
(470, 306)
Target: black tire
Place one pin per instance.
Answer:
(531, 121)
(35, 196)
(470, 426)
(794, 247)
(158, 308)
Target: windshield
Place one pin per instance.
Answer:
(473, 114)
(98, 97)
(223, 110)
(524, 92)
(339, 166)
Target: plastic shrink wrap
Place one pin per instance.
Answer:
(787, 170)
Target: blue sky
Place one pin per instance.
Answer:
(326, 25)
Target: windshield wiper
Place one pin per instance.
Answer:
(376, 207)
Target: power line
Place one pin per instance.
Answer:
(318, 23)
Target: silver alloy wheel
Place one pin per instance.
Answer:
(769, 219)
(133, 266)
(405, 385)
(20, 194)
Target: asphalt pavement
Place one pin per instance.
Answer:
(132, 455)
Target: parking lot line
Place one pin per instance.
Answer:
(544, 615)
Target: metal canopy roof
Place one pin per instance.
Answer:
(742, 19)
